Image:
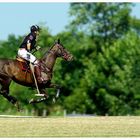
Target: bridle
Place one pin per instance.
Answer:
(62, 54)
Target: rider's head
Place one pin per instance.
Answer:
(35, 29)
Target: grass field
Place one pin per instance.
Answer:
(70, 127)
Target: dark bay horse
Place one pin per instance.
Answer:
(10, 69)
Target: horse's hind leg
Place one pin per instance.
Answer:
(5, 83)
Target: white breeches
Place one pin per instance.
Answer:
(23, 53)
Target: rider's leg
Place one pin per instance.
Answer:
(31, 58)
(38, 74)
(36, 68)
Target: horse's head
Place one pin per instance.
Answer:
(60, 51)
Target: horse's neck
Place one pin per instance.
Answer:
(50, 60)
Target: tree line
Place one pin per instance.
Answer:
(104, 77)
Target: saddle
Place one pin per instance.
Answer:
(23, 64)
(26, 68)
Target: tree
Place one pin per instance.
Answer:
(106, 51)
(104, 22)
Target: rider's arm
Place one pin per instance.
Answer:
(29, 40)
(28, 45)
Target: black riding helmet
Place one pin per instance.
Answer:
(35, 28)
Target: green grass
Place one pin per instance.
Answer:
(70, 127)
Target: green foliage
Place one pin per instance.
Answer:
(10, 46)
(103, 78)
(104, 22)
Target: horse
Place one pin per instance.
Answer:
(18, 70)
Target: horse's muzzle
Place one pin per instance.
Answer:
(70, 58)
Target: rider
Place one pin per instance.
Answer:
(28, 44)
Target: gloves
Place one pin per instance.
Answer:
(38, 47)
(28, 56)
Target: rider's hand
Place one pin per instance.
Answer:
(38, 48)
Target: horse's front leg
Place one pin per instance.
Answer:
(58, 88)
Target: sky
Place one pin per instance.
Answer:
(16, 18)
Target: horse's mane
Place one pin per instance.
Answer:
(47, 51)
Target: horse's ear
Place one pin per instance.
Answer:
(58, 41)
